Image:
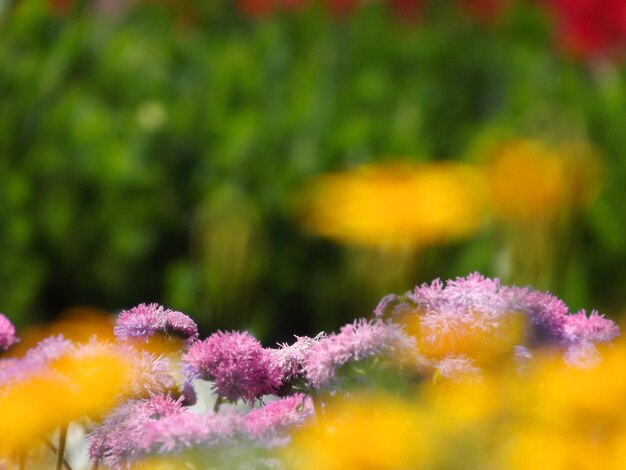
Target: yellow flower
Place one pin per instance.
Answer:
(379, 433)
(76, 385)
(396, 205)
(532, 182)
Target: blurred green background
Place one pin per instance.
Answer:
(153, 151)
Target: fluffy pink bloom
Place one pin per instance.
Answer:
(291, 358)
(267, 425)
(594, 328)
(185, 430)
(476, 303)
(7, 333)
(236, 363)
(479, 302)
(144, 321)
(354, 342)
(162, 426)
(546, 312)
(116, 439)
(152, 374)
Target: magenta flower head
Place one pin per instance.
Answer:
(354, 342)
(7, 333)
(144, 321)
(236, 363)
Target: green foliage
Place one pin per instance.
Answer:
(154, 154)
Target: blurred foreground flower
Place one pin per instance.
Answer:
(396, 205)
(363, 432)
(547, 416)
(56, 383)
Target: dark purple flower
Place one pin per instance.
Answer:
(144, 321)
(237, 365)
(7, 333)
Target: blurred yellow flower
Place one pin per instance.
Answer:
(84, 384)
(396, 205)
(469, 337)
(532, 182)
(379, 433)
(547, 415)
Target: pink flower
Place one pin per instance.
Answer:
(594, 328)
(185, 430)
(478, 305)
(291, 358)
(144, 321)
(267, 425)
(117, 438)
(7, 333)
(237, 365)
(354, 342)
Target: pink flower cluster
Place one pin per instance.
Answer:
(282, 388)
(478, 303)
(144, 321)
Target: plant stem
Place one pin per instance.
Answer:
(21, 458)
(51, 446)
(218, 402)
(95, 465)
(61, 449)
(317, 405)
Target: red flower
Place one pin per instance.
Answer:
(590, 28)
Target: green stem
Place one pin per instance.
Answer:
(218, 401)
(61, 449)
